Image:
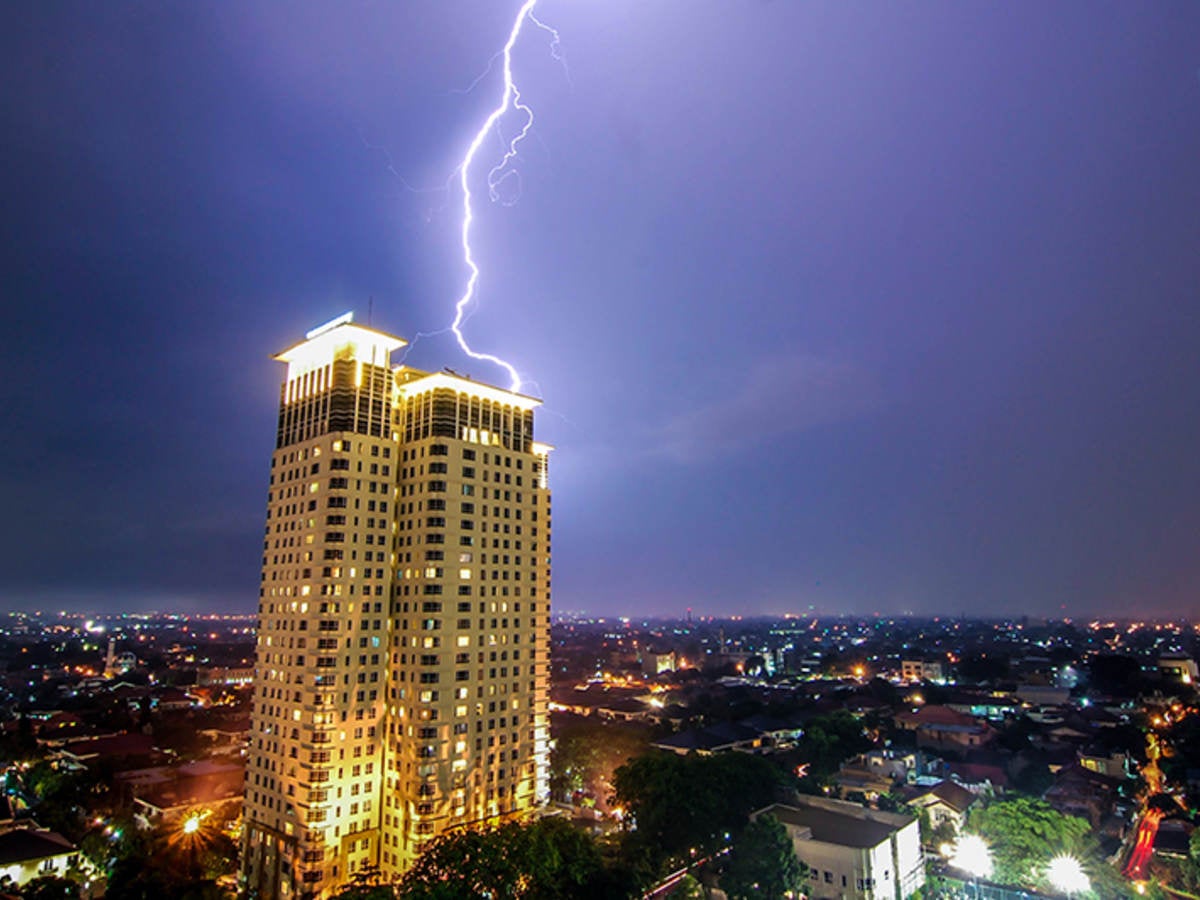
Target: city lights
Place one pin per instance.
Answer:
(972, 855)
(1067, 875)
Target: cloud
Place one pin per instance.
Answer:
(779, 395)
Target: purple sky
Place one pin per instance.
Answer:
(851, 306)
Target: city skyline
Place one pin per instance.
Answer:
(857, 309)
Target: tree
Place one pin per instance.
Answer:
(689, 888)
(365, 886)
(1024, 834)
(827, 742)
(680, 804)
(547, 860)
(763, 863)
(587, 751)
(943, 832)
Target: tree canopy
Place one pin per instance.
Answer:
(763, 864)
(1024, 835)
(680, 804)
(549, 859)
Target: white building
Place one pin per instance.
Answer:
(852, 851)
(26, 854)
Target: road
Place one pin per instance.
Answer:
(1138, 864)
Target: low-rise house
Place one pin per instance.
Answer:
(1178, 668)
(942, 728)
(1105, 760)
(776, 732)
(946, 802)
(228, 735)
(26, 854)
(204, 784)
(922, 670)
(1081, 792)
(874, 773)
(981, 778)
(604, 701)
(852, 851)
(655, 663)
(129, 750)
(1173, 838)
(995, 706)
(718, 738)
(1043, 694)
(225, 675)
(172, 700)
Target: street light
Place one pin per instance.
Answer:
(971, 855)
(1067, 875)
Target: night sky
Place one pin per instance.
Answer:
(850, 307)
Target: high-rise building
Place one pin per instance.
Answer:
(401, 684)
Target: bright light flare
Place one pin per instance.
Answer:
(500, 173)
(191, 825)
(971, 855)
(1067, 875)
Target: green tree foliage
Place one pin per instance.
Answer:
(1025, 834)
(763, 863)
(62, 799)
(942, 833)
(828, 741)
(547, 860)
(683, 803)
(365, 886)
(690, 888)
(587, 751)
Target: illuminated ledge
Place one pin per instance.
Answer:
(339, 339)
(422, 383)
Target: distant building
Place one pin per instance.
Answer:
(168, 794)
(1084, 793)
(1043, 694)
(943, 728)
(852, 851)
(922, 670)
(716, 738)
(1178, 668)
(116, 665)
(1105, 760)
(655, 663)
(128, 750)
(874, 773)
(225, 675)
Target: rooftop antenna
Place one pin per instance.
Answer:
(370, 309)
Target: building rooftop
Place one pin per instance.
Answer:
(835, 822)
(25, 845)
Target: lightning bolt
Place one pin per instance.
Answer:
(499, 173)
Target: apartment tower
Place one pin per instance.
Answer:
(401, 679)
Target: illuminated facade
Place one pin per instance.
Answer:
(402, 671)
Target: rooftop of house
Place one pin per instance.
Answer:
(26, 845)
(836, 822)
